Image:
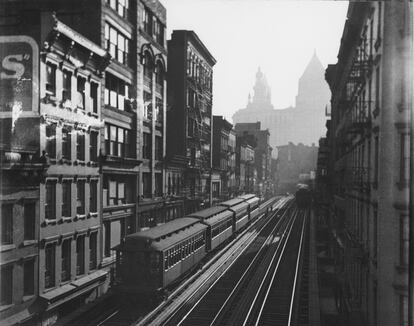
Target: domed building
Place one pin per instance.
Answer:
(303, 123)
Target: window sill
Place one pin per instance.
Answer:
(79, 162)
(93, 214)
(65, 161)
(27, 297)
(66, 219)
(7, 247)
(29, 242)
(80, 216)
(5, 307)
(48, 221)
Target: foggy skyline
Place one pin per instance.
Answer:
(280, 37)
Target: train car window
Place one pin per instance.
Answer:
(166, 260)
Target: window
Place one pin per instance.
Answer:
(66, 256)
(81, 92)
(147, 105)
(93, 200)
(80, 199)
(158, 148)
(404, 240)
(376, 160)
(159, 78)
(80, 255)
(158, 110)
(6, 224)
(159, 32)
(50, 251)
(147, 21)
(191, 127)
(117, 192)
(146, 184)
(50, 79)
(29, 221)
(28, 277)
(93, 146)
(6, 285)
(93, 250)
(94, 97)
(117, 141)
(158, 184)
(50, 205)
(66, 144)
(117, 93)
(51, 140)
(66, 198)
(379, 21)
(146, 147)
(148, 68)
(377, 89)
(120, 6)
(80, 146)
(117, 44)
(66, 86)
(405, 158)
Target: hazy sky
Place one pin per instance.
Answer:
(278, 36)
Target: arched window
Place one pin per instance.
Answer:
(159, 77)
(148, 68)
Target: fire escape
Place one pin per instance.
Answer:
(355, 124)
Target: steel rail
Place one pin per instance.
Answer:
(265, 299)
(282, 240)
(227, 268)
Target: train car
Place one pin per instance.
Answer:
(267, 206)
(220, 226)
(240, 209)
(150, 260)
(253, 202)
(303, 197)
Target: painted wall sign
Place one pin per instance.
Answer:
(19, 75)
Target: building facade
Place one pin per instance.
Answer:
(223, 154)
(370, 153)
(189, 129)
(63, 220)
(259, 140)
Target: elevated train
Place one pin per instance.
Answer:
(150, 260)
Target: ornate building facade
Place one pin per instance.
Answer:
(304, 123)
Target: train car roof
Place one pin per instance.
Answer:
(205, 213)
(232, 202)
(239, 206)
(164, 229)
(218, 218)
(177, 238)
(247, 196)
(252, 200)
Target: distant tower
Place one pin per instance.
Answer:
(261, 90)
(313, 91)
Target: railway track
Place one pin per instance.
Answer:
(121, 315)
(228, 289)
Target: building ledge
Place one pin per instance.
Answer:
(57, 296)
(7, 247)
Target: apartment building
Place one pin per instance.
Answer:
(58, 258)
(189, 130)
(369, 139)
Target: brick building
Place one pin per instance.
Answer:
(189, 129)
(61, 212)
(224, 154)
(245, 170)
(259, 139)
(369, 140)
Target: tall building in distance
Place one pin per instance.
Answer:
(305, 122)
(189, 130)
(369, 161)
